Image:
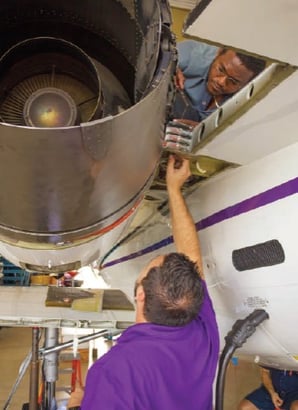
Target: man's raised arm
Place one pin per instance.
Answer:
(184, 231)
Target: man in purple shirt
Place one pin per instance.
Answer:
(168, 359)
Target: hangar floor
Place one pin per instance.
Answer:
(15, 343)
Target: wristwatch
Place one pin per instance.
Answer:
(74, 408)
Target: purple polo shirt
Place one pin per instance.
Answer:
(158, 367)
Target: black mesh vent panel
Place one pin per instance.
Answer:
(257, 256)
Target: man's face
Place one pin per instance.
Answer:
(227, 74)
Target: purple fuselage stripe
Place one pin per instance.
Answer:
(264, 198)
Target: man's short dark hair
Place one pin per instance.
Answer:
(173, 291)
(254, 64)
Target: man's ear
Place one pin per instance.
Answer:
(140, 296)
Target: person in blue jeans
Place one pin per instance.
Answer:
(279, 390)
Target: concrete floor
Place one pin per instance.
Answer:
(15, 344)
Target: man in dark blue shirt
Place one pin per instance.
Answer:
(207, 76)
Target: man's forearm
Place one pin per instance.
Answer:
(267, 382)
(184, 231)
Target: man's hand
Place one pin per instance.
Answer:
(76, 397)
(177, 172)
(276, 400)
(179, 79)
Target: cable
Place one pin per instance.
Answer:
(240, 332)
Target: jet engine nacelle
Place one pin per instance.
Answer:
(85, 92)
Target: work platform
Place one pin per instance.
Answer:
(25, 306)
